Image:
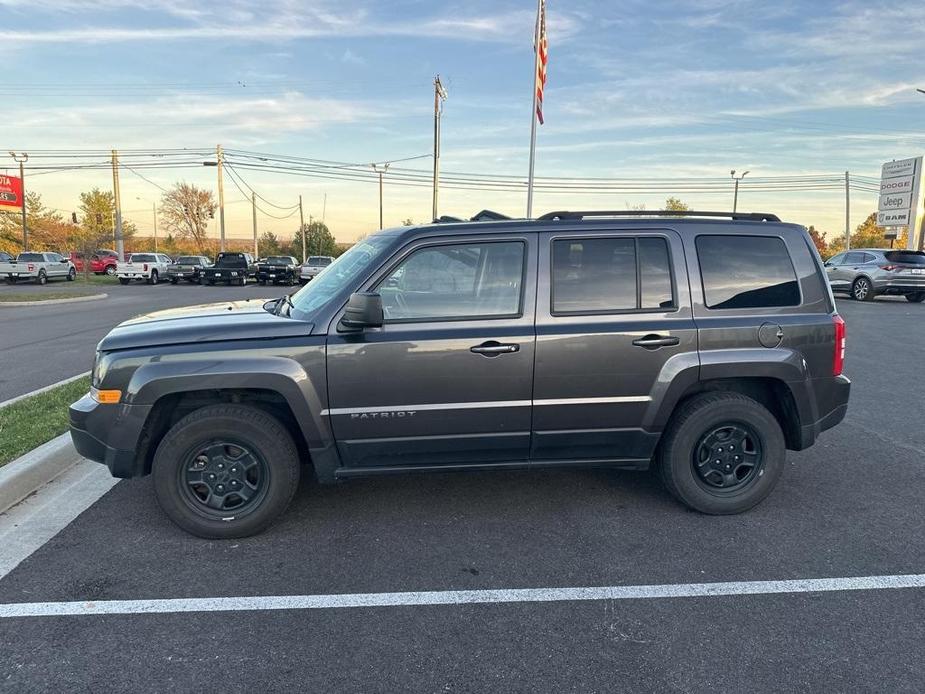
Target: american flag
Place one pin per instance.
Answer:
(542, 50)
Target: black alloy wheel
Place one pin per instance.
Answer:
(221, 477)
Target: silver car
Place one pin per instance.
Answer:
(865, 273)
(312, 266)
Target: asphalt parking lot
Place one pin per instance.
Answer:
(41, 345)
(851, 506)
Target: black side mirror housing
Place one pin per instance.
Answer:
(364, 310)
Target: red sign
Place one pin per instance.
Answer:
(10, 191)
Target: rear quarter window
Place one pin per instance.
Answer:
(746, 272)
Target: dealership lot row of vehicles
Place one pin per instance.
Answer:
(229, 268)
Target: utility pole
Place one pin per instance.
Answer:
(324, 208)
(154, 211)
(254, 211)
(117, 200)
(735, 195)
(302, 229)
(385, 167)
(439, 97)
(22, 159)
(220, 158)
(847, 212)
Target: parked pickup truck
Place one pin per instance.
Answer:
(278, 269)
(149, 267)
(38, 268)
(704, 346)
(312, 267)
(189, 268)
(231, 268)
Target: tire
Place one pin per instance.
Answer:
(72, 275)
(239, 428)
(862, 290)
(694, 430)
(110, 270)
(174, 280)
(916, 298)
(124, 280)
(152, 280)
(211, 283)
(42, 278)
(262, 283)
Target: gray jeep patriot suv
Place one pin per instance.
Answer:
(704, 346)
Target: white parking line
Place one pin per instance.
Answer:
(459, 597)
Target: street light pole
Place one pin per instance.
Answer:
(385, 167)
(254, 212)
(439, 97)
(302, 229)
(735, 195)
(117, 200)
(22, 159)
(154, 211)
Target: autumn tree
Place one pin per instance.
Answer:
(868, 234)
(47, 229)
(97, 217)
(818, 240)
(675, 205)
(186, 210)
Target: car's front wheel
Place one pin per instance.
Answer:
(916, 297)
(71, 275)
(226, 471)
(862, 290)
(723, 453)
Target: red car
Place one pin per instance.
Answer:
(102, 262)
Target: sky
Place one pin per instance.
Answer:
(635, 89)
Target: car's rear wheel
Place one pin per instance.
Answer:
(226, 471)
(723, 453)
(862, 290)
(124, 280)
(42, 278)
(916, 297)
(110, 270)
(153, 278)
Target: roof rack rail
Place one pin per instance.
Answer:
(737, 216)
(488, 216)
(446, 219)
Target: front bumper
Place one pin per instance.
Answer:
(109, 434)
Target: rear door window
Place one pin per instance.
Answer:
(746, 272)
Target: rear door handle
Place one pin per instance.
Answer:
(656, 341)
(493, 348)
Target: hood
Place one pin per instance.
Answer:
(232, 320)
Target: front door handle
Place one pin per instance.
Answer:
(656, 341)
(493, 348)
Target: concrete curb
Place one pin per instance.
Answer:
(35, 469)
(7, 403)
(45, 302)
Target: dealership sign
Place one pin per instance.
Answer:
(10, 191)
(900, 192)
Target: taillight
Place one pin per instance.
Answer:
(890, 268)
(838, 361)
(145, 267)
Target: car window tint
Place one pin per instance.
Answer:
(869, 257)
(746, 272)
(30, 257)
(593, 275)
(142, 258)
(472, 280)
(854, 259)
(654, 273)
(906, 257)
(837, 260)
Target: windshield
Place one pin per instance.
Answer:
(340, 273)
(141, 258)
(319, 260)
(231, 260)
(279, 260)
(187, 260)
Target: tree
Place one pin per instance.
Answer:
(97, 218)
(269, 244)
(675, 205)
(818, 240)
(47, 229)
(868, 234)
(318, 241)
(186, 211)
(409, 222)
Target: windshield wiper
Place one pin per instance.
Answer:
(284, 300)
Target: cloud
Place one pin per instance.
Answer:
(352, 58)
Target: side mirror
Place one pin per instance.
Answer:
(364, 310)
(65, 260)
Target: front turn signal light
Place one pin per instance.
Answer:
(106, 397)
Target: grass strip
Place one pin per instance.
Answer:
(7, 297)
(32, 421)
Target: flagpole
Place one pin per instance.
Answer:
(536, 70)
